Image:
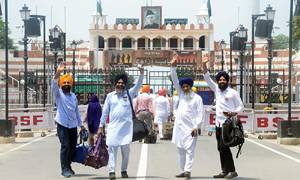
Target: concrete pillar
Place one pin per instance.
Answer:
(197, 45)
(121, 44)
(105, 44)
(167, 44)
(182, 44)
(151, 44)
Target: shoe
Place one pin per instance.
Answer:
(181, 175)
(221, 175)
(124, 174)
(112, 175)
(66, 174)
(187, 174)
(184, 175)
(72, 172)
(231, 175)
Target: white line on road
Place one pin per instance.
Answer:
(274, 151)
(26, 144)
(142, 169)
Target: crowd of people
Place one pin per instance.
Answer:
(186, 106)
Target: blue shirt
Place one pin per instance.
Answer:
(67, 113)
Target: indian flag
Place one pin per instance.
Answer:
(99, 7)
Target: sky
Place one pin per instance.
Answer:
(75, 16)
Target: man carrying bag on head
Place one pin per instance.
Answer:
(119, 129)
(228, 104)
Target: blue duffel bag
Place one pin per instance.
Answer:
(81, 149)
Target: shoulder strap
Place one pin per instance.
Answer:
(133, 114)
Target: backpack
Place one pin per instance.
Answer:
(233, 133)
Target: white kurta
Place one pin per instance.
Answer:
(117, 107)
(162, 109)
(188, 116)
(226, 101)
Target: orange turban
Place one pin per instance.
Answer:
(65, 77)
(146, 89)
(162, 92)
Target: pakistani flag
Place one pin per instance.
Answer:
(209, 8)
(99, 7)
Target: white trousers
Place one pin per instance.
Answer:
(161, 129)
(113, 151)
(186, 158)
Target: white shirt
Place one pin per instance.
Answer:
(162, 109)
(189, 115)
(226, 101)
(117, 107)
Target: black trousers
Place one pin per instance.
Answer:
(227, 163)
(68, 141)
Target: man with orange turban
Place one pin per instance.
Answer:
(67, 119)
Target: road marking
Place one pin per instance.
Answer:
(26, 144)
(142, 169)
(274, 151)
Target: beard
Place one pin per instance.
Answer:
(66, 88)
(187, 96)
(119, 89)
(223, 86)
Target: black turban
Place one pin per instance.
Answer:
(124, 77)
(188, 81)
(224, 74)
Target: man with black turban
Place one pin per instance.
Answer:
(189, 115)
(228, 104)
(119, 129)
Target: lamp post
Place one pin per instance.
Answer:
(242, 34)
(223, 46)
(25, 15)
(73, 46)
(270, 14)
(231, 34)
(56, 44)
(43, 18)
(254, 17)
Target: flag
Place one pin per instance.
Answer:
(0, 10)
(209, 8)
(99, 7)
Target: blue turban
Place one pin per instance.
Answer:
(124, 77)
(188, 81)
(224, 74)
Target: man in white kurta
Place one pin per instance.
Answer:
(189, 116)
(228, 103)
(119, 129)
(162, 112)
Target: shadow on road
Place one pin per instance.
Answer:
(131, 177)
(240, 178)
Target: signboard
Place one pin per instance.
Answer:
(135, 21)
(254, 123)
(151, 17)
(176, 21)
(32, 120)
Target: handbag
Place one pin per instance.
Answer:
(97, 156)
(140, 129)
(81, 152)
(233, 133)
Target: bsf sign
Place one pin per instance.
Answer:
(255, 123)
(31, 120)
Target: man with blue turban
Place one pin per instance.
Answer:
(228, 104)
(189, 115)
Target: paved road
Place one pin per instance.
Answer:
(259, 160)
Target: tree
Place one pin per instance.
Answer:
(2, 37)
(281, 41)
(296, 32)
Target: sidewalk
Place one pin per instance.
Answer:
(294, 148)
(5, 148)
